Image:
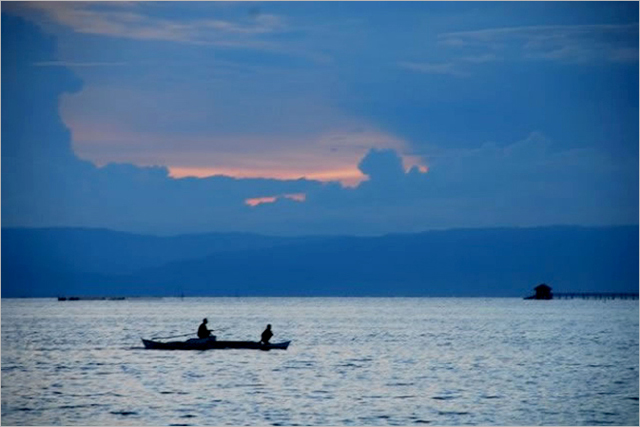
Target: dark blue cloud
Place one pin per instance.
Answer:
(382, 166)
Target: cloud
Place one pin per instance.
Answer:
(322, 154)
(566, 43)
(298, 197)
(113, 20)
(382, 165)
(137, 21)
(44, 182)
(212, 130)
(448, 68)
(481, 59)
(72, 64)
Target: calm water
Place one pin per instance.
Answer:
(355, 361)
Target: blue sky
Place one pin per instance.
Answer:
(399, 116)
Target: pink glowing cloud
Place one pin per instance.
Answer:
(255, 201)
(330, 156)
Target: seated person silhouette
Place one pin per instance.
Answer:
(203, 332)
(266, 335)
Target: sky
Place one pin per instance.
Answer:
(297, 118)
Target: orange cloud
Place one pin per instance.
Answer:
(331, 156)
(255, 201)
(259, 200)
(411, 161)
(349, 176)
(298, 197)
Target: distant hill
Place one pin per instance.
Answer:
(53, 261)
(464, 262)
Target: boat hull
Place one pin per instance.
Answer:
(209, 344)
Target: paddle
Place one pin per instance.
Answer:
(185, 335)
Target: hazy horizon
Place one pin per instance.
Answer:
(320, 235)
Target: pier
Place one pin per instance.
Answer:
(543, 292)
(595, 295)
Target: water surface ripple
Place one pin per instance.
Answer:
(353, 361)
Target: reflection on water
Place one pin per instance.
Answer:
(353, 361)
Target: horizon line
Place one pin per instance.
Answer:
(239, 232)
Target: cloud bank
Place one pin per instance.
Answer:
(45, 183)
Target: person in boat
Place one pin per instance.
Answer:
(203, 332)
(266, 335)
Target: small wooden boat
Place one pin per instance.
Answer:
(212, 344)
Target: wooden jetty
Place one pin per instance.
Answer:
(595, 295)
(543, 292)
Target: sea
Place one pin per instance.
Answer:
(352, 361)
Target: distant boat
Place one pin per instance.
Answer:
(212, 344)
(91, 298)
